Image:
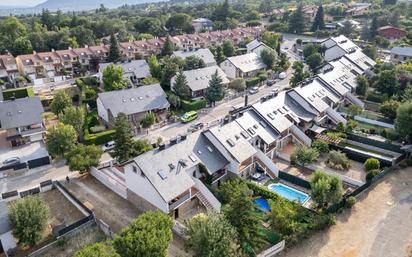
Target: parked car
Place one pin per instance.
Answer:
(195, 127)
(11, 161)
(270, 82)
(282, 75)
(275, 90)
(253, 90)
(108, 146)
(189, 116)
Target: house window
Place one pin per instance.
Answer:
(134, 169)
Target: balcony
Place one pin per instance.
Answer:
(179, 200)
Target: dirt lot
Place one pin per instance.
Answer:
(379, 225)
(111, 208)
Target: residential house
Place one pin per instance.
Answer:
(22, 120)
(50, 64)
(359, 9)
(7, 241)
(401, 54)
(203, 53)
(134, 70)
(68, 59)
(256, 47)
(134, 102)
(392, 33)
(356, 25)
(129, 50)
(198, 80)
(309, 12)
(84, 55)
(243, 66)
(101, 52)
(202, 24)
(8, 68)
(171, 178)
(28, 65)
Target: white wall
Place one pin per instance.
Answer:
(229, 69)
(142, 187)
(102, 111)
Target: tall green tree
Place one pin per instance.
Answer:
(82, 157)
(169, 69)
(149, 235)
(28, 218)
(373, 31)
(403, 122)
(326, 188)
(304, 155)
(370, 51)
(74, 116)
(155, 68)
(297, 20)
(298, 73)
(101, 249)
(211, 236)
(179, 22)
(314, 61)
(123, 138)
(22, 45)
(114, 51)
(389, 108)
(215, 92)
(113, 78)
(11, 29)
(180, 86)
(219, 55)
(228, 48)
(168, 47)
(193, 62)
(268, 57)
(362, 85)
(319, 22)
(61, 100)
(387, 82)
(222, 11)
(60, 139)
(347, 29)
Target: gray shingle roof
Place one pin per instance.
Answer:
(404, 51)
(203, 53)
(20, 112)
(134, 100)
(199, 79)
(138, 68)
(247, 62)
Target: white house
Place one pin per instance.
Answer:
(202, 24)
(243, 66)
(401, 54)
(256, 47)
(203, 53)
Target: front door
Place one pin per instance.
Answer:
(176, 213)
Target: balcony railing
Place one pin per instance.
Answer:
(175, 204)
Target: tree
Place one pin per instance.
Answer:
(338, 160)
(28, 218)
(321, 146)
(218, 54)
(168, 47)
(228, 48)
(319, 22)
(149, 235)
(238, 84)
(347, 28)
(304, 155)
(298, 74)
(60, 101)
(373, 31)
(174, 100)
(354, 110)
(271, 39)
(403, 122)
(114, 51)
(180, 86)
(148, 81)
(222, 11)
(113, 78)
(179, 22)
(10, 30)
(297, 20)
(74, 116)
(387, 82)
(310, 49)
(60, 139)
(155, 68)
(370, 51)
(139, 147)
(169, 69)
(148, 120)
(314, 60)
(215, 92)
(123, 138)
(22, 45)
(407, 94)
(211, 236)
(193, 62)
(362, 85)
(101, 249)
(82, 157)
(268, 57)
(326, 188)
(372, 164)
(389, 107)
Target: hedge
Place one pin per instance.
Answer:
(193, 105)
(18, 93)
(98, 138)
(252, 82)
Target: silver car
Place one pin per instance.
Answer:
(11, 161)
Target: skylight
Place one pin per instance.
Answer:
(162, 175)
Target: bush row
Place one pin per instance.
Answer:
(18, 93)
(193, 105)
(98, 138)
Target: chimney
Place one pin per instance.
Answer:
(246, 100)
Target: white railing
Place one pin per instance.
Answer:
(273, 169)
(272, 251)
(208, 195)
(335, 116)
(300, 135)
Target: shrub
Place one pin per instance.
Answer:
(372, 164)
(252, 82)
(148, 120)
(18, 93)
(238, 84)
(371, 174)
(97, 129)
(98, 138)
(377, 98)
(392, 134)
(193, 105)
(338, 160)
(350, 202)
(336, 135)
(321, 146)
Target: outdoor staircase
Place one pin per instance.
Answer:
(206, 197)
(204, 201)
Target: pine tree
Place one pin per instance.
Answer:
(319, 22)
(123, 138)
(180, 86)
(374, 28)
(114, 51)
(167, 47)
(297, 21)
(215, 92)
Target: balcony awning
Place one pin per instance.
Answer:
(317, 129)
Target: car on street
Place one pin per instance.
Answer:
(270, 82)
(11, 161)
(108, 146)
(195, 127)
(253, 90)
(282, 75)
(189, 116)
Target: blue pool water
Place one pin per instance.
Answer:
(262, 204)
(289, 193)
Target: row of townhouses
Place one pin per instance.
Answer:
(172, 177)
(50, 64)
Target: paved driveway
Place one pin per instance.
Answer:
(379, 225)
(26, 152)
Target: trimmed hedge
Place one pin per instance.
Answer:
(193, 105)
(252, 82)
(98, 138)
(18, 93)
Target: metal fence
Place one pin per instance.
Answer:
(294, 180)
(39, 162)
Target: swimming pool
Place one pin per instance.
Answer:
(289, 193)
(262, 204)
